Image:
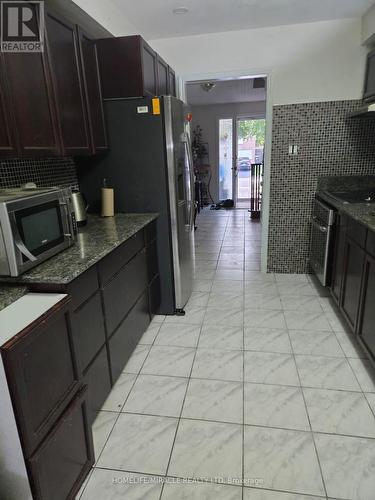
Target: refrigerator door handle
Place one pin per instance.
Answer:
(191, 178)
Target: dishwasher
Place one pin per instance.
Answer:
(322, 241)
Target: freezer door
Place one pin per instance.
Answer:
(181, 199)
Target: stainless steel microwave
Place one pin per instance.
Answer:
(34, 226)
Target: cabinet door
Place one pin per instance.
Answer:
(60, 465)
(98, 381)
(7, 131)
(366, 325)
(32, 102)
(90, 71)
(171, 82)
(64, 55)
(42, 374)
(353, 269)
(162, 77)
(338, 261)
(149, 70)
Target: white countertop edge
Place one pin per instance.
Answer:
(17, 316)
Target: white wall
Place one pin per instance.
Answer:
(311, 62)
(368, 27)
(207, 117)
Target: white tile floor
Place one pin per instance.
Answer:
(259, 383)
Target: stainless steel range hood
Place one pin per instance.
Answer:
(366, 111)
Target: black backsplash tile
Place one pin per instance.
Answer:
(329, 143)
(45, 172)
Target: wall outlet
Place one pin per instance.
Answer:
(293, 149)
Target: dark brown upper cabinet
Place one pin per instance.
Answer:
(63, 50)
(129, 67)
(32, 128)
(162, 76)
(93, 92)
(7, 141)
(171, 82)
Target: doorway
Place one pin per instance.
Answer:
(241, 153)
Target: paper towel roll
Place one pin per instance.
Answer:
(108, 206)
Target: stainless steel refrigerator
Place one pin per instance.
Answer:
(149, 166)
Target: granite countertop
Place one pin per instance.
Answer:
(11, 293)
(94, 241)
(361, 212)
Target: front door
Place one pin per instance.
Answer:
(227, 159)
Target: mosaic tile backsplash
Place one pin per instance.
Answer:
(329, 143)
(44, 172)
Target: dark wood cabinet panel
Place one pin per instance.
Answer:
(112, 264)
(171, 82)
(98, 381)
(67, 78)
(7, 127)
(149, 67)
(152, 261)
(127, 336)
(129, 67)
(351, 288)
(162, 77)
(82, 287)
(42, 374)
(338, 261)
(88, 330)
(93, 94)
(32, 102)
(61, 463)
(366, 324)
(123, 290)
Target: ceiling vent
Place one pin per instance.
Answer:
(259, 83)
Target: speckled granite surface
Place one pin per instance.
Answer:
(345, 182)
(94, 241)
(10, 293)
(361, 212)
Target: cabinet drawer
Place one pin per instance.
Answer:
(83, 287)
(61, 463)
(88, 330)
(357, 232)
(121, 293)
(42, 375)
(127, 336)
(110, 265)
(370, 244)
(97, 379)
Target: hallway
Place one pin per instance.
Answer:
(258, 384)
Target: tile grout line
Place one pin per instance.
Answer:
(308, 416)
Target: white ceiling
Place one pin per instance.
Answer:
(227, 91)
(154, 18)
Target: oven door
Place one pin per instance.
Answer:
(39, 231)
(319, 250)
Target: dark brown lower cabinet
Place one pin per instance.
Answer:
(366, 323)
(127, 336)
(338, 261)
(42, 374)
(154, 295)
(63, 460)
(97, 379)
(351, 287)
(88, 329)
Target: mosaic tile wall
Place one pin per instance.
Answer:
(44, 172)
(329, 143)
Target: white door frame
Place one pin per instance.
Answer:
(221, 75)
